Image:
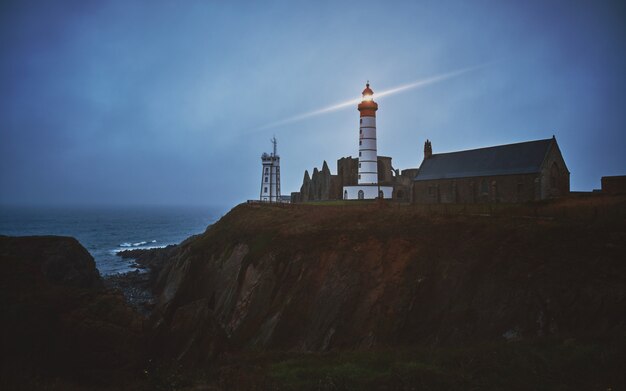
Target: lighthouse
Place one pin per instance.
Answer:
(368, 155)
(270, 176)
(368, 186)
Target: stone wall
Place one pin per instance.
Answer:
(501, 188)
(614, 184)
(348, 171)
(554, 177)
(550, 182)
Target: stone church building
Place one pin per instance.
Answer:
(521, 172)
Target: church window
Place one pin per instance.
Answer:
(554, 174)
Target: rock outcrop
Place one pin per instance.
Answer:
(61, 329)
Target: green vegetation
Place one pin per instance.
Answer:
(543, 365)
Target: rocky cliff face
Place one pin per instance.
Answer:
(315, 278)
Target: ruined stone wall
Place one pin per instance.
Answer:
(320, 186)
(323, 186)
(348, 171)
(614, 184)
(385, 171)
(403, 185)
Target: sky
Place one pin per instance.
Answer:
(173, 103)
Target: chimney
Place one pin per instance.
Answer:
(428, 149)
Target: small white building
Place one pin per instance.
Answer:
(270, 176)
(368, 187)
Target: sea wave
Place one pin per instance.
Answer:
(141, 247)
(136, 244)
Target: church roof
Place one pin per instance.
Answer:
(519, 158)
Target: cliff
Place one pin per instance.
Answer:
(335, 296)
(60, 328)
(369, 276)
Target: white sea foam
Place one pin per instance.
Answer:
(118, 250)
(137, 244)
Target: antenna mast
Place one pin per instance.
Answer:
(274, 142)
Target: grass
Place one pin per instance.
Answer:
(542, 365)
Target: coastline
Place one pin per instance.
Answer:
(137, 285)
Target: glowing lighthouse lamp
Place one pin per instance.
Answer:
(368, 187)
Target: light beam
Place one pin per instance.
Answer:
(378, 95)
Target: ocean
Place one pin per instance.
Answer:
(104, 231)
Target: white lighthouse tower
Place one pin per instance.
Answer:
(270, 176)
(368, 186)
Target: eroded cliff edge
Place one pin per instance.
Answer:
(317, 278)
